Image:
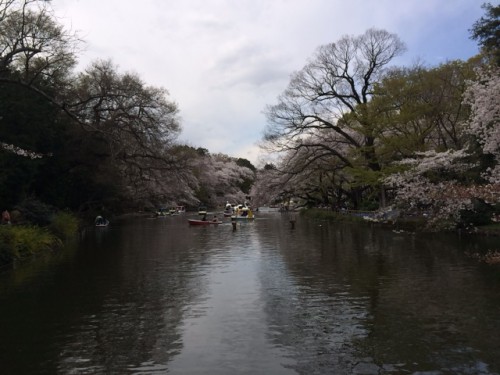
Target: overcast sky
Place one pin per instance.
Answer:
(223, 61)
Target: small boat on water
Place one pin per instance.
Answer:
(242, 212)
(203, 222)
(202, 210)
(101, 222)
(174, 211)
(162, 212)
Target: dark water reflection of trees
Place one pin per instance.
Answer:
(111, 294)
(340, 298)
(374, 301)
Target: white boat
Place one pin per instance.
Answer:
(242, 212)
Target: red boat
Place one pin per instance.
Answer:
(202, 222)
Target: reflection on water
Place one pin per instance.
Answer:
(157, 296)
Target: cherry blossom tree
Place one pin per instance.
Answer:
(484, 123)
(439, 182)
(270, 187)
(218, 178)
(429, 184)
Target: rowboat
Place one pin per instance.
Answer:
(202, 222)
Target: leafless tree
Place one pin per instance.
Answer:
(329, 95)
(324, 112)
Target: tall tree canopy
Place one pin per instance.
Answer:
(487, 31)
(136, 124)
(35, 50)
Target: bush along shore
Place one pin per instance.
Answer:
(35, 229)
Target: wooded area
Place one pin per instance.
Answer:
(95, 140)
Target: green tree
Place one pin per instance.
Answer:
(245, 163)
(421, 108)
(487, 31)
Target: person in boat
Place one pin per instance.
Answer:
(204, 218)
(99, 220)
(215, 219)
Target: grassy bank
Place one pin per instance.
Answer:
(19, 242)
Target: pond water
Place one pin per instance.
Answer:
(157, 296)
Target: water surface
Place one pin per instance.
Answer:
(156, 296)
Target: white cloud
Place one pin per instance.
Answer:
(223, 60)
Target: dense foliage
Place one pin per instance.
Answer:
(487, 31)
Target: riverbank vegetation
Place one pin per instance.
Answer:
(19, 242)
(355, 132)
(36, 228)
